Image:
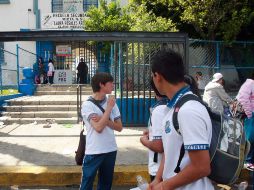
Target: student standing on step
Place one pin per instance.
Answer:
(152, 138)
(101, 148)
(195, 130)
(51, 71)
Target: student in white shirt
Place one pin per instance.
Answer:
(152, 138)
(51, 71)
(101, 148)
(195, 130)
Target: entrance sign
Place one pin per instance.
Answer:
(63, 77)
(63, 50)
(73, 6)
(70, 21)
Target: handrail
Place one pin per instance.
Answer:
(79, 102)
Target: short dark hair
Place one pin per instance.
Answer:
(170, 65)
(102, 78)
(199, 73)
(155, 90)
(193, 85)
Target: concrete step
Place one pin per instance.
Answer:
(56, 87)
(26, 108)
(41, 114)
(9, 121)
(42, 92)
(42, 102)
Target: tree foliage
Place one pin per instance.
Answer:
(112, 17)
(211, 19)
(107, 17)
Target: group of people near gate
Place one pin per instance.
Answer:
(44, 73)
(101, 117)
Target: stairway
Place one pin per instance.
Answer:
(50, 104)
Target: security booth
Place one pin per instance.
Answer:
(126, 55)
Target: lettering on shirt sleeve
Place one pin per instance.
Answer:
(157, 137)
(116, 118)
(196, 147)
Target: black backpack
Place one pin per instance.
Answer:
(228, 144)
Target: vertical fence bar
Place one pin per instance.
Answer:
(133, 79)
(17, 52)
(217, 56)
(138, 108)
(1, 77)
(78, 110)
(120, 62)
(144, 83)
(127, 82)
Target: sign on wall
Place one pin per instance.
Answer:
(63, 77)
(72, 21)
(63, 50)
(73, 6)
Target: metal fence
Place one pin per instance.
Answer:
(11, 65)
(129, 63)
(26, 59)
(8, 71)
(131, 68)
(234, 61)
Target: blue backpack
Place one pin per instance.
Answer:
(228, 144)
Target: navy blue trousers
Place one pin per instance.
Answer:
(103, 164)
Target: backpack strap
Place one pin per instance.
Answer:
(96, 103)
(178, 105)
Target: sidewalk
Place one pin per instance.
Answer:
(32, 155)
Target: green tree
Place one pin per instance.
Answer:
(111, 17)
(147, 21)
(107, 17)
(211, 19)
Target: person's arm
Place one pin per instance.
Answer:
(154, 145)
(195, 131)
(198, 168)
(103, 121)
(158, 178)
(223, 95)
(116, 116)
(115, 125)
(244, 97)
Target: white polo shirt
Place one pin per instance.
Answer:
(155, 133)
(196, 132)
(98, 143)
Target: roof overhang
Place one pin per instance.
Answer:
(63, 35)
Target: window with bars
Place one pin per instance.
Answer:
(89, 3)
(5, 2)
(57, 5)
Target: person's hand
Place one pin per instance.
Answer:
(111, 102)
(96, 118)
(154, 184)
(144, 139)
(157, 187)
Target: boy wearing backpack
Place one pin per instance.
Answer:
(195, 130)
(101, 116)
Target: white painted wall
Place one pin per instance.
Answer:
(13, 17)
